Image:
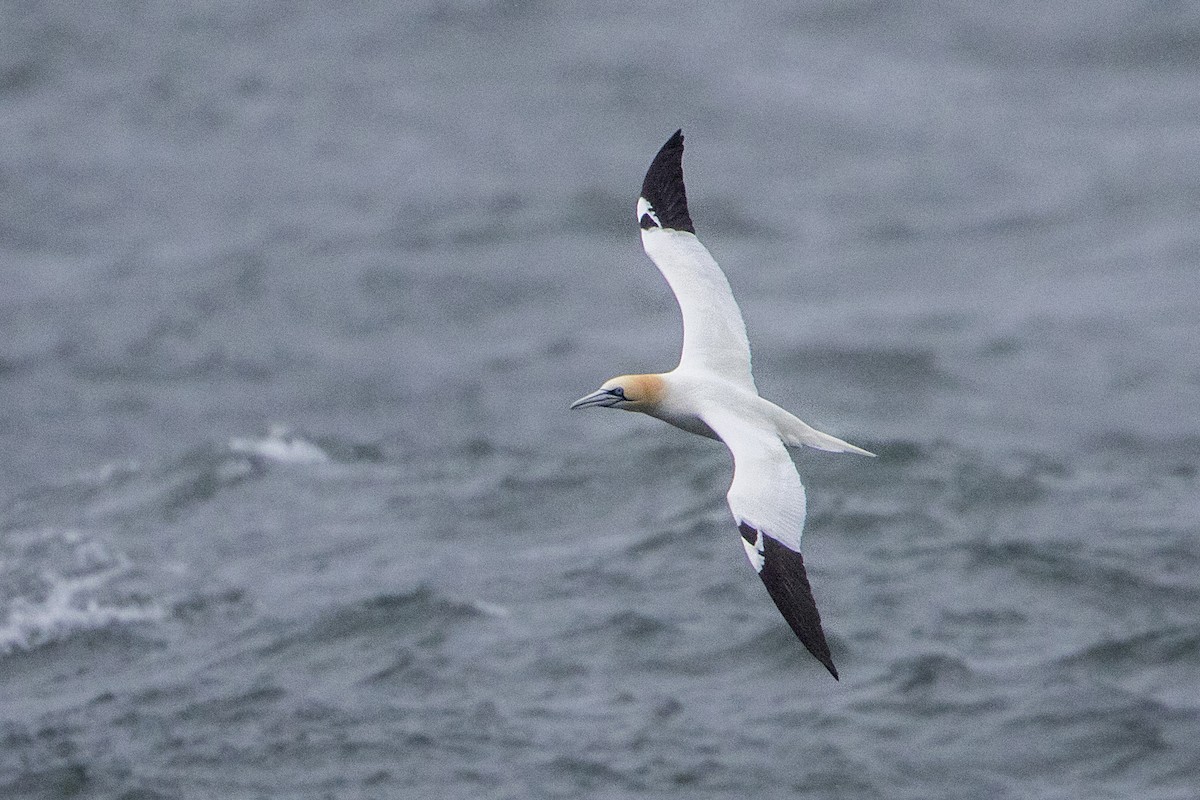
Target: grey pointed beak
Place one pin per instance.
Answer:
(600, 397)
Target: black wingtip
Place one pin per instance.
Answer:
(663, 187)
(786, 579)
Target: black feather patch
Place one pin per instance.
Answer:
(787, 581)
(663, 187)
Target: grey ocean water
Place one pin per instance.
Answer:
(294, 297)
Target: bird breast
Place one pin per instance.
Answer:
(686, 394)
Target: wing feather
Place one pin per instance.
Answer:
(766, 492)
(767, 500)
(714, 334)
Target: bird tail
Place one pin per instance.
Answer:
(796, 433)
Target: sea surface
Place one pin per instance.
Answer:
(294, 298)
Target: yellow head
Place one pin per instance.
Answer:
(628, 392)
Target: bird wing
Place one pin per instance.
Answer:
(714, 335)
(768, 503)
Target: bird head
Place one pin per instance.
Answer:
(627, 392)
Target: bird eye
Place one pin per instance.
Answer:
(618, 391)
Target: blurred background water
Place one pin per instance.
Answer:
(294, 297)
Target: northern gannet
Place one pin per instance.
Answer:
(712, 393)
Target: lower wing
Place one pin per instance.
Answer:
(768, 503)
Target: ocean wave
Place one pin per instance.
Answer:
(142, 490)
(408, 667)
(63, 612)
(928, 671)
(421, 614)
(573, 774)
(1052, 564)
(671, 539)
(1176, 452)
(229, 709)
(59, 582)
(634, 626)
(1099, 730)
(404, 637)
(1174, 647)
(281, 446)
(979, 483)
(232, 601)
(768, 646)
(907, 369)
(901, 451)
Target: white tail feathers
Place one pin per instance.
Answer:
(811, 437)
(796, 433)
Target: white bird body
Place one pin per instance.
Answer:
(712, 393)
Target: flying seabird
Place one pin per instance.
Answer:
(712, 393)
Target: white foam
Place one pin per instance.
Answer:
(491, 609)
(280, 445)
(106, 473)
(30, 624)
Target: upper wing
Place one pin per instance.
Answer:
(768, 503)
(714, 335)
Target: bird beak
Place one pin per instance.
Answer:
(600, 397)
